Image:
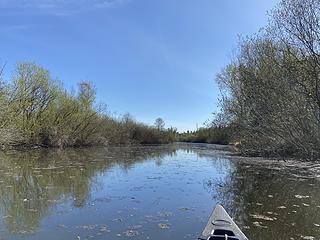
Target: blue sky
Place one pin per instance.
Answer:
(151, 58)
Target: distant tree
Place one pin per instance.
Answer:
(87, 94)
(127, 118)
(159, 123)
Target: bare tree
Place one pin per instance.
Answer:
(159, 123)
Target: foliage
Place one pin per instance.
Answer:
(271, 91)
(214, 135)
(36, 110)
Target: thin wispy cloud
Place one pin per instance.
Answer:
(54, 7)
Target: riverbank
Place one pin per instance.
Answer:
(211, 134)
(270, 89)
(36, 110)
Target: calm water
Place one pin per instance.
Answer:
(157, 192)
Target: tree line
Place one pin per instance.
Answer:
(271, 88)
(216, 131)
(36, 110)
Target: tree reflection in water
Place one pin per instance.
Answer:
(32, 183)
(176, 185)
(271, 200)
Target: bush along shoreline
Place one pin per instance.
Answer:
(211, 135)
(37, 111)
(271, 89)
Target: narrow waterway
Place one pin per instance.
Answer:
(154, 192)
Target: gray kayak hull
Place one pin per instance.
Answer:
(221, 226)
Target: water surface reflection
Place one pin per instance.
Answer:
(154, 192)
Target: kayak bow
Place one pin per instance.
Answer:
(221, 227)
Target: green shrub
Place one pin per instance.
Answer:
(37, 110)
